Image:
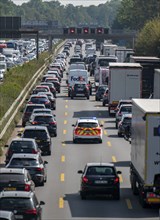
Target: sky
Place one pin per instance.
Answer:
(73, 2)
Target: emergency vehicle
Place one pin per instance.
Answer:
(87, 129)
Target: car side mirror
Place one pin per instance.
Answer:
(45, 162)
(101, 125)
(27, 99)
(6, 145)
(80, 172)
(119, 172)
(42, 203)
(73, 125)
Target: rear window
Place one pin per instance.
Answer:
(11, 203)
(87, 125)
(105, 62)
(45, 119)
(36, 134)
(38, 99)
(24, 162)
(8, 177)
(30, 108)
(100, 170)
(126, 109)
(21, 144)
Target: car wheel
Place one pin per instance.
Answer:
(55, 134)
(96, 99)
(103, 104)
(42, 183)
(87, 97)
(116, 125)
(23, 124)
(116, 195)
(74, 141)
(83, 196)
(100, 141)
(119, 134)
(49, 153)
(71, 97)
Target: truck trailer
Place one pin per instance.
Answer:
(124, 83)
(149, 65)
(156, 87)
(145, 151)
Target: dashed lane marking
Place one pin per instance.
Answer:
(66, 113)
(63, 144)
(66, 106)
(129, 205)
(64, 131)
(120, 178)
(63, 158)
(66, 100)
(114, 159)
(102, 122)
(65, 122)
(109, 143)
(105, 132)
(61, 203)
(62, 177)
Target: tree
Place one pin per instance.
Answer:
(148, 40)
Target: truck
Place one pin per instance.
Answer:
(149, 65)
(156, 90)
(124, 83)
(76, 76)
(122, 53)
(103, 76)
(109, 49)
(145, 151)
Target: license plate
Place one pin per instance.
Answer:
(38, 141)
(101, 181)
(19, 216)
(79, 94)
(10, 189)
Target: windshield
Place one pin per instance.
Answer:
(87, 125)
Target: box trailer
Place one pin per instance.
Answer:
(124, 83)
(156, 87)
(145, 151)
(149, 65)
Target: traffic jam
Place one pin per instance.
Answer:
(83, 74)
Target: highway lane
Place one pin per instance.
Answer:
(61, 192)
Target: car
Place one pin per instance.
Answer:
(21, 145)
(24, 205)
(124, 122)
(51, 99)
(55, 83)
(28, 111)
(44, 111)
(54, 72)
(16, 179)
(40, 99)
(41, 136)
(6, 215)
(33, 163)
(100, 179)
(44, 119)
(105, 97)
(100, 92)
(80, 90)
(87, 129)
(51, 87)
(41, 88)
(122, 102)
(124, 109)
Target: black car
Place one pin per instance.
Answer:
(100, 178)
(33, 163)
(28, 111)
(21, 145)
(48, 120)
(40, 99)
(100, 92)
(51, 99)
(24, 205)
(80, 90)
(41, 136)
(16, 179)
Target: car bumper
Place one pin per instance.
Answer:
(87, 138)
(99, 190)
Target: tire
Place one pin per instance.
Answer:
(116, 125)
(74, 141)
(116, 195)
(100, 141)
(55, 135)
(103, 104)
(119, 134)
(87, 97)
(96, 99)
(49, 153)
(71, 97)
(23, 124)
(42, 183)
(141, 200)
(83, 196)
(133, 186)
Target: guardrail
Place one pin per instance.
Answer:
(22, 96)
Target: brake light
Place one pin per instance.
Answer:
(34, 122)
(152, 195)
(85, 179)
(116, 180)
(53, 123)
(34, 151)
(9, 152)
(46, 103)
(30, 102)
(27, 187)
(31, 211)
(39, 169)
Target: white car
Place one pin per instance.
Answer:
(87, 129)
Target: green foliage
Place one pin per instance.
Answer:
(148, 40)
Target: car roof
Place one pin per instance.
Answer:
(42, 109)
(12, 170)
(126, 116)
(125, 105)
(87, 119)
(22, 139)
(100, 164)
(29, 156)
(35, 105)
(43, 114)
(35, 128)
(17, 194)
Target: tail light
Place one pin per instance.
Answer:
(39, 169)
(27, 187)
(34, 122)
(34, 151)
(31, 211)
(85, 179)
(116, 180)
(53, 123)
